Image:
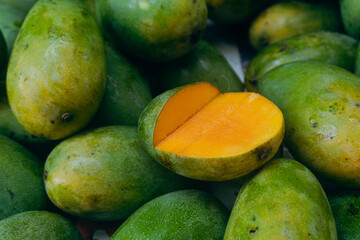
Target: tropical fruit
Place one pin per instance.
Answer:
(350, 13)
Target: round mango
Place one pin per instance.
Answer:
(156, 31)
(104, 174)
(350, 13)
(202, 134)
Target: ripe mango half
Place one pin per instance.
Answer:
(200, 133)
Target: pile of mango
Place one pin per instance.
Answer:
(119, 114)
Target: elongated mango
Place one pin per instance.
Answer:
(57, 70)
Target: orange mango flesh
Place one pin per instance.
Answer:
(228, 125)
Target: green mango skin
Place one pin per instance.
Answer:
(21, 183)
(233, 11)
(104, 174)
(350, 14)
(287, 19)
(329, 47)
(346, 209)
(357, 61)
(3, 52)
(283, 201)
(10, 23)
(57, 70)
(153, 30)
(187, 214)
(126, 93)
(22, 5)
(320, 103)
(203, 64)
(39, 225)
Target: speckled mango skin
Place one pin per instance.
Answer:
(283, 201)
(329, 47)
(39, 225)
(233, 11)
(345, 206)
(153, 30)
(321, 105)
(104, 174)
(350, 14)
(187, 214)
(126, 94)
(209, 169)
(204, 63)
(21, 185)
(287, 19)
(57, 70)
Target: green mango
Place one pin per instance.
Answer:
(345, 206)
(187, 214)
(283, 201)
(350, 13)
(104, 174)
(203, 64)
(153, 30)
(287, 19)
(234, 11)
(329, 47)
(3, 52)
(21, 183)
(10, 23)
(320, 103)
(357, 61)
(22, 5)
(39, 225)
(57, 70)
(126, 93)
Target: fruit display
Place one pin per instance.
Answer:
(182, 119)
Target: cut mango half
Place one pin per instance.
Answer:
(201, 133)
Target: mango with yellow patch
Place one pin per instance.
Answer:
(200, 133)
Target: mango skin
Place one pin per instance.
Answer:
(345, 207)
(153, 30)
(320, 103)
(21, 184)
(57, 70)
(39, 225)
(104, 174)
(287, 19)
(283, 201)
(187, 214)
(208, 169)
(357, 62)
(126, 93)
(204, 63)
(350, 14)
(328, 47)
(233, 11)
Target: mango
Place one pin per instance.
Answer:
(39, 225)
(21, 184)
(104, 174)
(204, 63)
(350, 14)
(283, 201)
(329, 47)
(233, 11)
(156, 31)
(320, 103)
(287, 19)
(3, 52)
(202, 134)
(57, 70)
(345, 206)
(126, 94)
(187, 214)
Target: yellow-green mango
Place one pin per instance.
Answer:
(321, 107)
(329, 47)
(287, 19)
(39, 225)
(153, 30)
(283, 201)
(350, 14)
(186, 214)
(57, 69)
(21, 183)
(105, 174)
